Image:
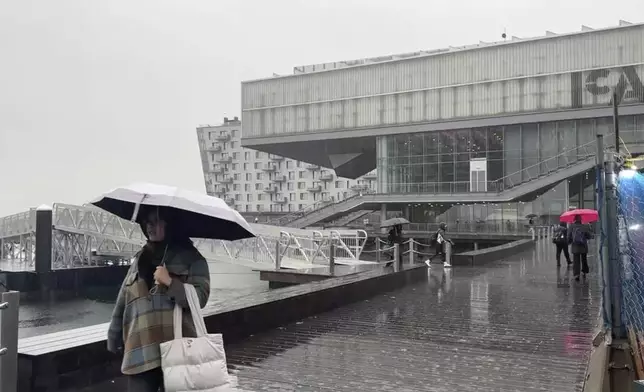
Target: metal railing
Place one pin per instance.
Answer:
(9, 305)
(85, 236)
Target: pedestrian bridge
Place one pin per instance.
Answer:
(519, 324)
(85, 236)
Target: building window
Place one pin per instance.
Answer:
(291, 175)
(258, 176)
(246, 166)
(290, 186)
(339, 184)
(232, 144)
(291, 196)
(247, 186)
(249, 176)
(299, 164)
(301, 175)
(235, 155)
(237, 197)
(303, 196)
(235, 166)
(289, 164)
(260, 197)
(301, 185)
(258, 154)
(235, 187)
(259, 208)
(247, 155)
(234, 133)
(258, 187)
(247, 207)
(236, 176)
(249, 197)
(257, 165)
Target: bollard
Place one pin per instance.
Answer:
(9, 304)
(377, 250)
(397, 255)
(411, 251)
(448, 252)
(332, 260)
(278, 256)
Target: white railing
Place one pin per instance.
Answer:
(87, 236)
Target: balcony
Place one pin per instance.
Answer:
(370, 176)
(225, 180)
(279, 178)
(225, 159)
(270, 189)
(314, 188)
(223, 137)
(359, 187)
(283, 200)
(328, 199)
(313, 167)
(218, 170)
(327, 177)
(230, 201)
(276, 158)
(215, 148)
(219, 192)
(269, 168)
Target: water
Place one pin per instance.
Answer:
(37, 318)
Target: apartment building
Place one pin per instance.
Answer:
(257, 182)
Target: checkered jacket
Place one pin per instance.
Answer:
(141, 321)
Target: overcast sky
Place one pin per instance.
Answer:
(96, 94)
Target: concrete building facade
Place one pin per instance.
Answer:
(484, 123)
(260, 183)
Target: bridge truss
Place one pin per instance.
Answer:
(85, 236)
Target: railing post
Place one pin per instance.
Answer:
(397, 255)
(411, 251)
(9, 305)
(612, 235)
(378, 249)
(533, 233)
(448, 252)
(332, 259)
(278, 256)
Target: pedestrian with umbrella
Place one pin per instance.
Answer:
(163, 272)
(395, 235)
(578, 235)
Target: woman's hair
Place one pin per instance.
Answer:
(577, 218)
(562, 224)
(173, 231)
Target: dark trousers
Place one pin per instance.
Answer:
(579, 260)
(562, 248)
(440, 251)
(150, 381)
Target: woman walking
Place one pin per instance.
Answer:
(143, 314)
(560, 239)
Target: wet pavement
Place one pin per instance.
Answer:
(515, 325)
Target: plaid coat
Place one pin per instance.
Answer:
(141, 321)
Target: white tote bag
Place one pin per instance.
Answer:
(194, 364)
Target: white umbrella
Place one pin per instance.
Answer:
(196, 215)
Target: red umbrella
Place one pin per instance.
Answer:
(587, 216)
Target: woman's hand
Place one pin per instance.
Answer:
(161, 276)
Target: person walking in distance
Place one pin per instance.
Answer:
(560, 239)
(578, 236)
(439, 240)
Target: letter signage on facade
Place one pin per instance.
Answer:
(624, 81)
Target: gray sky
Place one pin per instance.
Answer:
(100, 93)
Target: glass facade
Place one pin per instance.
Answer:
(493, 159)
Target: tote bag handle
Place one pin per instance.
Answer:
(195, 311)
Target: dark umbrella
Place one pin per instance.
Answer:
(394, 222)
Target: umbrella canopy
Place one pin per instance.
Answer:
(394, 222)
(193, 214)
(530, 216)
(587, 216)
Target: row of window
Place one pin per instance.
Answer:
(341, 184)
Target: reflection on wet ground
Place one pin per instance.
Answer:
(38, 318)
(516, 325)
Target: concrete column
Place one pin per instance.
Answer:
(476, 246)
(9, 304)
(44, 239)
(383, 212)
(406, 212)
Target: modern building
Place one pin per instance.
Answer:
(257, 182)
(506, 128)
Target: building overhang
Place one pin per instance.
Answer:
(352, 152)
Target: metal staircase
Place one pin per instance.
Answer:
(523, 185)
